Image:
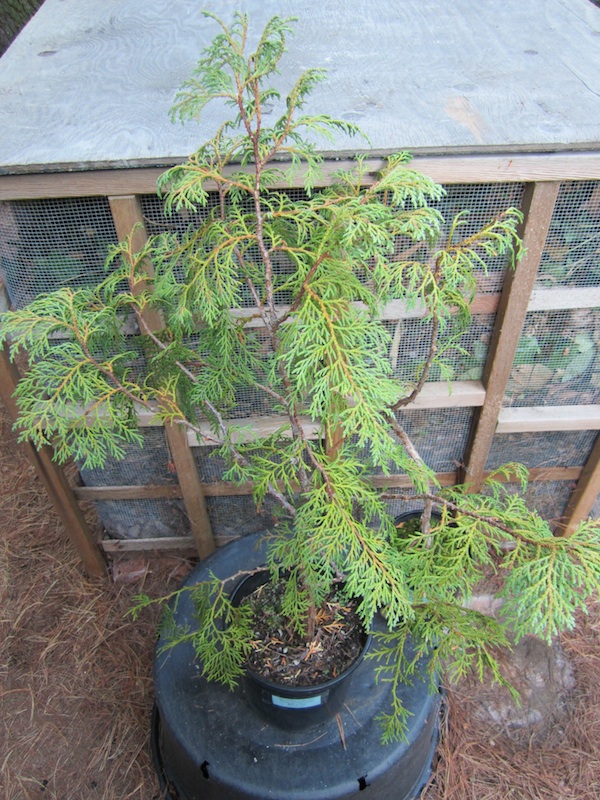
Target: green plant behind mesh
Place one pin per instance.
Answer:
(283, 296)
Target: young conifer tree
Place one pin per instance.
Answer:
(317, 272)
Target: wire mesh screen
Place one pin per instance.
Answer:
(484, 202)
(156, 221)
(572, 252)
(46, 244)
(179, 222)
(548, 498)
(146, 465)
(236, 516)
(542, 450)
(232, 515)
(211, 466)
(249, 401)
(557, 360)
(440, 435)
(49, 243)
(464, 359)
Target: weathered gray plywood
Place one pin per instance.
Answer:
(89, 83)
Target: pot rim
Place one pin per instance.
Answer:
(280, 688)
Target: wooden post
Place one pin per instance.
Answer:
(54, 481)
(191, 489)
(584, 495)
(538, 205)
(127, 214)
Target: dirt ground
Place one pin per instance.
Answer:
(76, 688)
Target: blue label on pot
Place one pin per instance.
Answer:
(296, 702)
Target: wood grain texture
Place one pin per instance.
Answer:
(513, 167)
(457, 394)
(564, 298)
(549, 418)
(91, 83)
(147, 492)
(248, 429)
(229, 489)
(191, 489)
(182, 545)
(128, 218)
(129, 221)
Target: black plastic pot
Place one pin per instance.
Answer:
(408, 515)
(293, 707)
(212, 744)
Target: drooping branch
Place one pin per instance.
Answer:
(433, 347)
(296, 304)
(412, 451)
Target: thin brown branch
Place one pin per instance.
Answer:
(514, 533)
(404, 401)
(416, 457)
(405, 439)
(239, 458)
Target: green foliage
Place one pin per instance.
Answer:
(221, 637)
(316, 272)
(439, 636)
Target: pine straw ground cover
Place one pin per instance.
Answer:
(76, 689)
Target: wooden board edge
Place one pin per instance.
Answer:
(534, 419)
(450, 169)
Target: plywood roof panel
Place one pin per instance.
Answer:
(90, 84)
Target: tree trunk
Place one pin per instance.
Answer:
(14, 14)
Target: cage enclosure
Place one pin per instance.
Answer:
(497, 104)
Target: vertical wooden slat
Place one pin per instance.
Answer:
(191, 489)
(52, 477)
(334, 441)
(538, 204)
(127, 214)
(584, 495)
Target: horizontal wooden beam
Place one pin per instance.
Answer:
(507, 168)
(248, 429)
(181, 545)
(165, 544)
(184, 545)
(454, 394)
(88, 183)
(561, 298)
(147, 492)
(458, 394)
(230, 489)
(564, 298)
(500, 168)
(543, 475)
(536, 475)
(394, 310)
(549, 418)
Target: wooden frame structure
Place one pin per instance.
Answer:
(542, 175)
